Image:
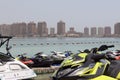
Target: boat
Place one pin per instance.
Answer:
(10, 68)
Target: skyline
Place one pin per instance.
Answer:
(41, 30)
(78, 14)
(55, 27)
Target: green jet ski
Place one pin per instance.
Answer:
(89, 66)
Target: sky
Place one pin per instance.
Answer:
(75, 13)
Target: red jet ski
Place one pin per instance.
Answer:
(25, 60)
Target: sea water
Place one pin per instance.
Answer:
(32, 46)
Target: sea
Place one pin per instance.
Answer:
(31, 46)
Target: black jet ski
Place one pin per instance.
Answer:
(41, 60)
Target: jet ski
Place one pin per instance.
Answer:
(10, 68)
(41, 60)
(57, 57)
(59, 54)
(115, 53)
(89, 66)
(27, 61)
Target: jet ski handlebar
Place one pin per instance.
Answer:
(105, 47)
(110, 46)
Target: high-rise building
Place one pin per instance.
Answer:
(71, 30)
(42, 29)
(52, 32)
(18, 29)
(22, 27)
(117, 29)
(107, 31)
(73, 33)
(93, 31)
(100, 31)
(86, 32)
(61, 28)
(5, 30)
(31, 29)
(14, 29)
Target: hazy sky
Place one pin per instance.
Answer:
(75, 13)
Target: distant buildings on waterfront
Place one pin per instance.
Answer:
(41, 29)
